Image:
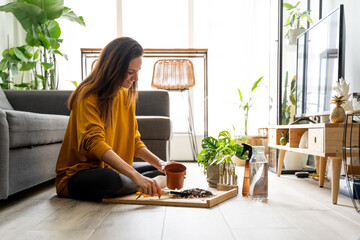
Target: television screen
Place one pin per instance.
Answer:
(320, 63)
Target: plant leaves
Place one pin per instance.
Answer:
(256, 84)
(44, 41)
(74, 83)
(209, 142)
(53, 29)
(41, 77)
(23, 85)
(70, 15)
(288, 6)
(240, 95)
(47, 66)
(25, 66)
(4, 76)
(14, 69)
(52, 8)
(20, 55)
(54, 43)
(27, 14)
(224, 134)
(12, 59)
(3, 64)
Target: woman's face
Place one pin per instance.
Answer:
(133, 72)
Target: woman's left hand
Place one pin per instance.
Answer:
(163, 164)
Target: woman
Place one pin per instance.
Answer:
(101, 138)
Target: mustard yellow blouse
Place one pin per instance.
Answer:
(86, 139)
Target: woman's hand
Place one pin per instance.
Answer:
(148, 185)
(162, 165)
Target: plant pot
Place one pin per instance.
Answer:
(212, 175)
(294, 160)
(175, 175)
(238, 161)
(293, 34)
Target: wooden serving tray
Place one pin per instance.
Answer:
(168, 200)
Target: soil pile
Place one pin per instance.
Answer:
(195, 193)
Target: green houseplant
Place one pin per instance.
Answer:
(293, 22)
(288, 102)
(38, 19)
(246, 103)
(217, 151)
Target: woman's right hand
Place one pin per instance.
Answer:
(148, 185)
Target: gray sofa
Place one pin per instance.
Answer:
(32, 126)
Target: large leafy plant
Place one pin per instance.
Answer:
(246, 103)
(43, 32)
(216, 151)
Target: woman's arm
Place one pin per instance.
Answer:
(151, 158)
(149, 186)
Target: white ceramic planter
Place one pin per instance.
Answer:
(295, 161)
(293, 34)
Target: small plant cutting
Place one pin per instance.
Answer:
(246, 104)
(216, 151)
(293, 22)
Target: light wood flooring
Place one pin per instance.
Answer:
(296, 209)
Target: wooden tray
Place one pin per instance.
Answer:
(168, 200)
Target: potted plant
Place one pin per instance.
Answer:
(42, 42)
(246, 104)
(293, 22)
(217, 151)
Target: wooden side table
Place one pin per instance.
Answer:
(324, 141)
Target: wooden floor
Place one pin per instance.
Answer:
(296, 209)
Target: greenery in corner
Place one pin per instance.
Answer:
(216, 151)
(246, 104)
(43, 32)
(295, 15)
(288, 102)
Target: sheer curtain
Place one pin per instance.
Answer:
(11, 32)
(237, 35)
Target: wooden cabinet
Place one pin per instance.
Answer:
(324, 141)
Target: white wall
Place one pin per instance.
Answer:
(352, 48)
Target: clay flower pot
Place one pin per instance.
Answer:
(175, 175)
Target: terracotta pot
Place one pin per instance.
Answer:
(175, 175)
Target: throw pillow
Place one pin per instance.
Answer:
(4, 103)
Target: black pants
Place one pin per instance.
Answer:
(95, 184)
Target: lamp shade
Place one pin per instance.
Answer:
(173, 74)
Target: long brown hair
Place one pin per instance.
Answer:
(108, 76)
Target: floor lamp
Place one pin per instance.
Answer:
(177, 75)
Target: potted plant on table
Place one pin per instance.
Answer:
(293, 22)
(216, 152)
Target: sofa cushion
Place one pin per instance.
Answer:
(31, 129)
(4, 103)
(154, 127)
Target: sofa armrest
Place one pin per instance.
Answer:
(39, 101)
(4, 156)
(153, 103)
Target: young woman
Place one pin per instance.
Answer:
(101, 139)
